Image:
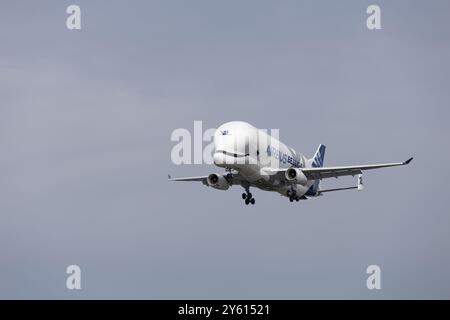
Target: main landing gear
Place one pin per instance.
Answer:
(292, 196)
(247, 196)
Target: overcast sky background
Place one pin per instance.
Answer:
(85, 124)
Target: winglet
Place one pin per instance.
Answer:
(169, 177)
(360, 186)
(408, 161)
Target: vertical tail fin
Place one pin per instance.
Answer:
(316, 162)
(319, 157)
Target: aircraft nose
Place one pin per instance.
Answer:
(219, 159)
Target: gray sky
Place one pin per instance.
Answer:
(85, 124)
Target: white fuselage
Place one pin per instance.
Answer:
(257, 155)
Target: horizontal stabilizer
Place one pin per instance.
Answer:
(336, 189)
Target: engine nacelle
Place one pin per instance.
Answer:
(217, 181)
(296, 175)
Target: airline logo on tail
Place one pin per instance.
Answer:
(317, 162)
(319, 157)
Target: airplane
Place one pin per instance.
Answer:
(253, 158)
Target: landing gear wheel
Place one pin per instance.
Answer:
(247, 196)
(291, 199)
(297, 199)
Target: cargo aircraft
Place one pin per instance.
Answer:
(253, 158)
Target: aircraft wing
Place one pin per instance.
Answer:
(235, 178)
(334, 172)
(200, 179)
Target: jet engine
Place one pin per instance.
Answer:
(218, 181)
(296, 175)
